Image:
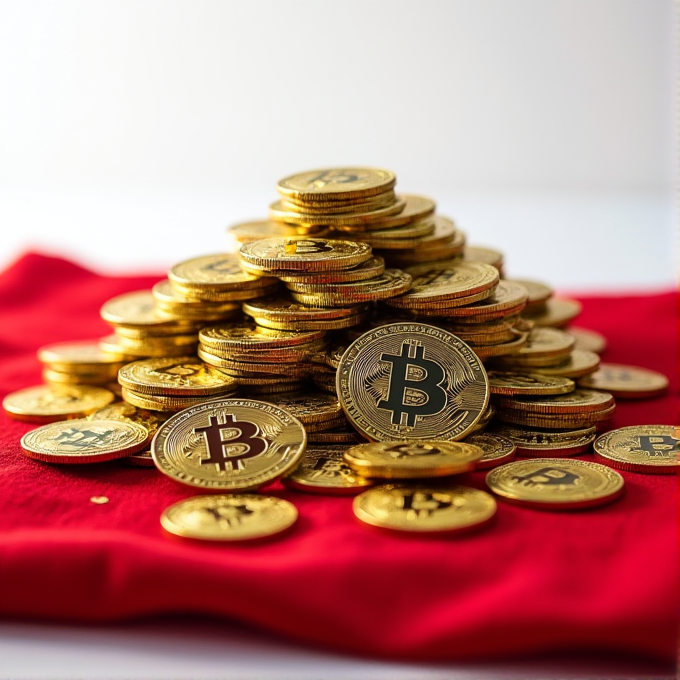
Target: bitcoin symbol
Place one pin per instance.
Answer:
(83, 438)
(309, 247)
(232, 515)
(333, 177)
(179, 370)
(547, 476)
(241, 439)
(327, 467)
(415, 385)
(405, 450)
(659, 445)
(421, 503)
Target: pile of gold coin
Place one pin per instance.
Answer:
(354, 339)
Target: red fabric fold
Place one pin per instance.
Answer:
(602, 579)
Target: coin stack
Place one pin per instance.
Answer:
(80, 363)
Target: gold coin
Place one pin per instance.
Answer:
(415, 208)
(254, 231)
(535, 443)
(143, 459)
(217, 272)
(487, 351)
(311, 282)
(538, 292)
(545, 347)
(254, 366)
(424, 509)
(555, 421)
(170, 302)
(137, 309)
(579, 400)
(247, 336)
(291, 355)
(578, 364)
(340, 435)
(121, 410)
(289, 310)
(65, 356)
(641, 448)
(556, 483)
(411, 381)
(229, 444)
(336, 183)
(278, 211)
(97, 378)
(181, 376)
(397, 237)
(390, 283)
(557, 313)
(486, 255)
(338, 207)
(158, 402)
(84, 441)
(235, 517)
(588, 340)
(49, 403)
(311, 408)
(626, 382)
(462, 280)
(313, 324)
(412, 460)
(150, 348)
(323, 470)
(308, 254)
(528, 384)
(497, 450)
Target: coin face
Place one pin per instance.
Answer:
(308, 254)
(528, 384)
(641, 448)
(48, 403)
(411, 381)
(84, 441)
(221, 271)
(412, 459)
(235, 517)
(329, 183)
(626, 382)
(121, 410)
(85, 353)
(324, 470)
(497, 449)
(556, 483)
(229, 444)
(424, 509)
(181, 376)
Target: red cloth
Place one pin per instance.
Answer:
(602, 579)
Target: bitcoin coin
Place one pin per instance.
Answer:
(279, 211)
(315, 282)
(579, 363)
(528, 384)
(588, 340)
(159, 402)
(497, 450)
(341, 435)
(143, 459)
(486, 255)
(396, 237)
(626, 382)
(229, 444)
(65, 356)
(323, 470)
(84, 441)
(182, 377)
(218, 272)
(556, 312)
(424, 509)
(535, 443)
(487, 351)
(336, 183)
(311, 408)
(415, 208)
(556, 483)
(246, 336)
(170, 302)
(254, 231)
(308, 254)
(641, 448)
(545, 347)
(236, 517)
(49, 403)
(579, 400)
(538, 292)
(412, 460)
(121, 410)
(139, 309)
(411, 381)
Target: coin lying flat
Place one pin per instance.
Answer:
(626, 382)
(121, 410)
(412, 460)
(588, 340)
(579, 400)
(49, 403)
(528, 384)
(235, 517)
(641, 448)
(578, 364)
(219, 272)
(556, 483)
(339, 183)
(323, 470)
(84, 441)
(556, 312)
(411, 381)
(311, 408)
(229, 444)
(64, 355)
(424, 509)
(497, 449)
(139, 309)
(536, 443)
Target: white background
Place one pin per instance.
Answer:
(133, 131)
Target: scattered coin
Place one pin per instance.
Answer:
(641, 448)
(50, 403)
(626, 382)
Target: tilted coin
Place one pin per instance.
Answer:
(536, 443)
(311, 323)
(181, 376)
(229, 444)
(84, 441)
(424, 509)
(588, 340)
(556, 483)
(324, 470)
(415, 208)
(249, 336)
(236, 517)
(279, 210)
(578, 364)
(159, 402)
(138, 309)
(412, 459)
(340, 435)
(219, 272)
(504, 348)
(171, 302)
(101, 378)
(254, 231)
(149, 347)
(49, 403)
(411, 381)
(497, 449)
(311, 408)
(121, 410)
(510, 383)
(626, 382)
(335, 207)
(396, 237)
(308, 254)
(65, 355)
(481, 254)
(292, 354)
(314, 282)
(545, 347)
(641, 448)
(282, 309)
(557, 421)
(557, 312)
(579, 400)
(342, 183)
(538, 292)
